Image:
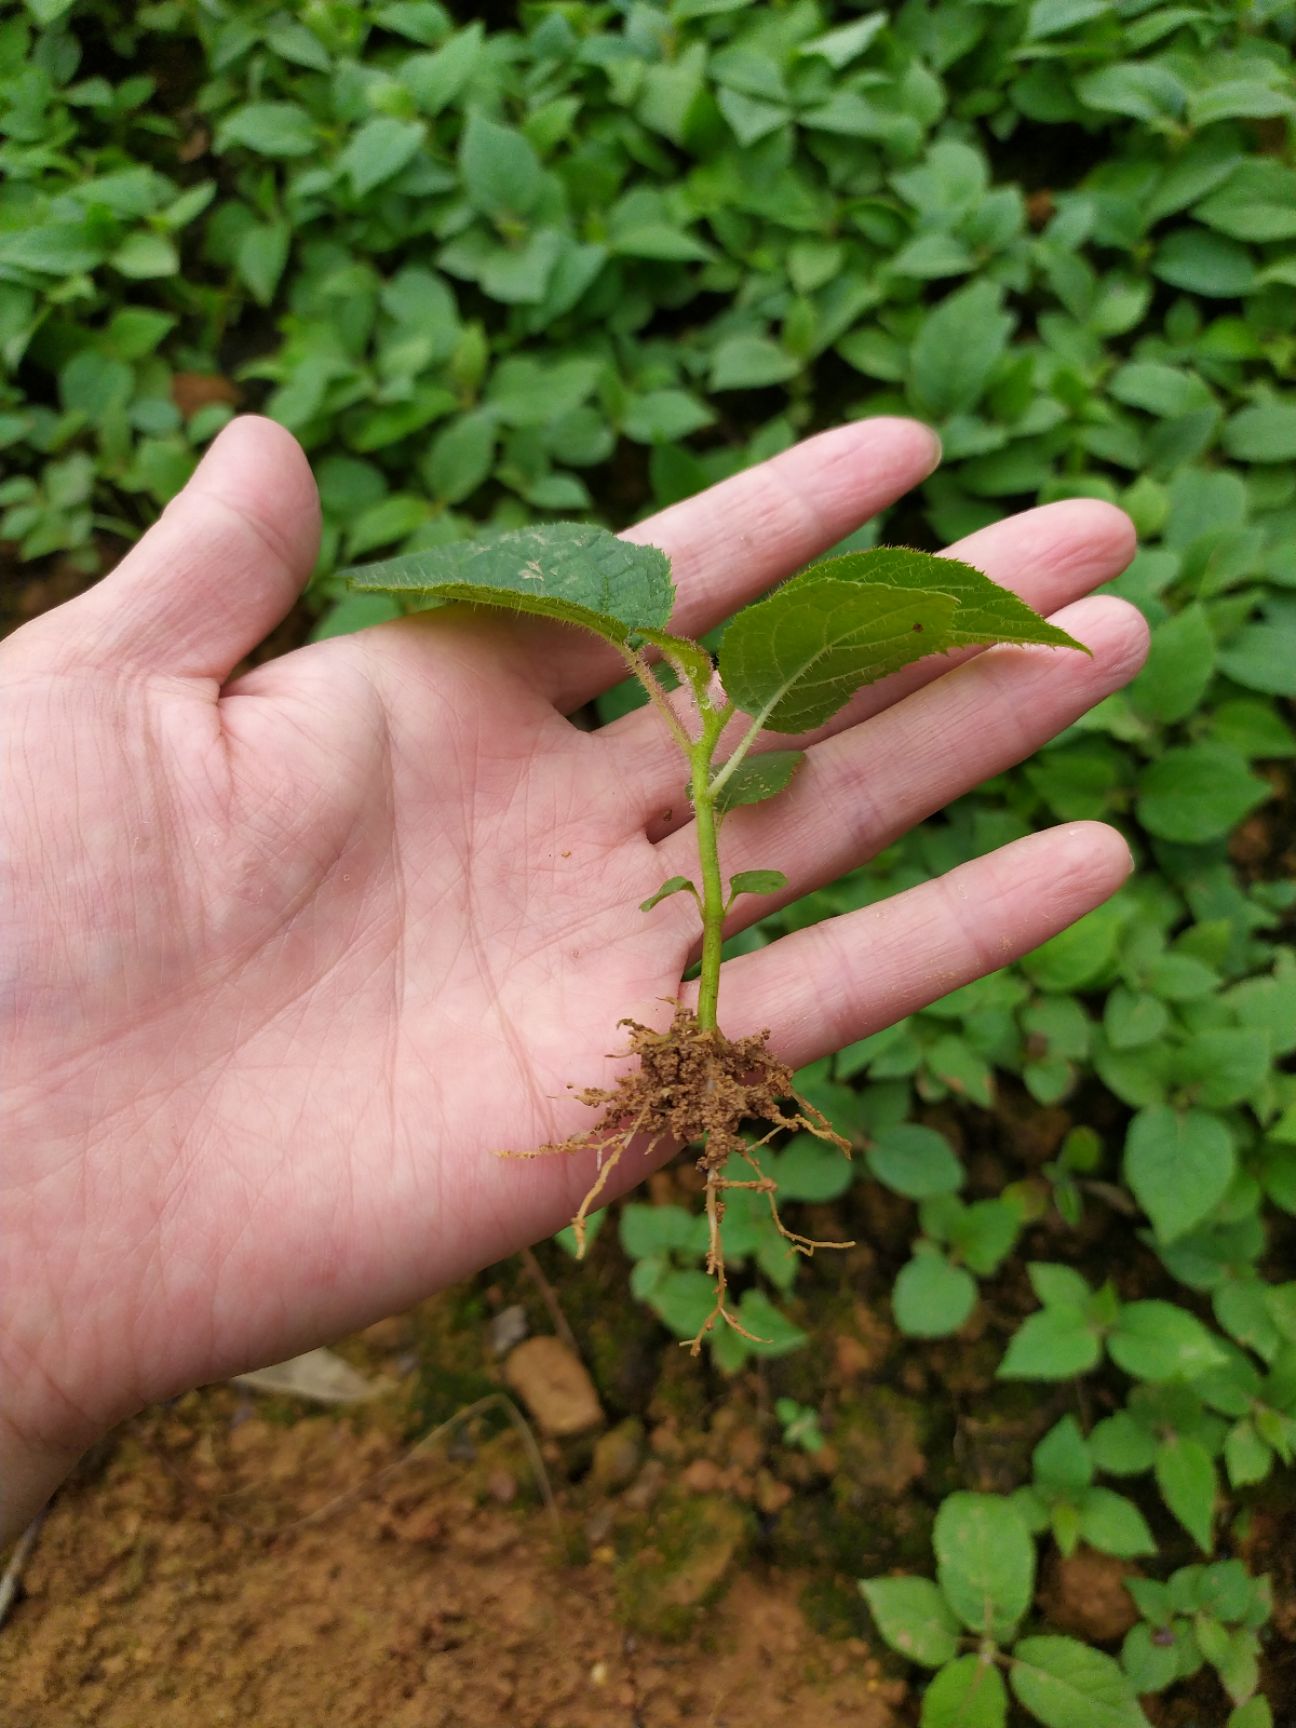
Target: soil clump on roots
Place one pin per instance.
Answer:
(693, 1084)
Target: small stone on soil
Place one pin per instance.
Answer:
(555, 1387)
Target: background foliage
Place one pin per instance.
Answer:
(494, 266)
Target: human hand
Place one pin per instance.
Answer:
(287, 959)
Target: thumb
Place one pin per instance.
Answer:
(217, 572)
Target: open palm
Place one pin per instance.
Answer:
(289, 958)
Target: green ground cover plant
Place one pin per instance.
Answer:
(503, 268)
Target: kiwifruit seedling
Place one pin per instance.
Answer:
(786, 664)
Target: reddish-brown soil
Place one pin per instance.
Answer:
(441, 1598)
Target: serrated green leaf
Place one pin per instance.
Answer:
(793, 660)
(1185, 1474)
(566, 570)
(1197, 792)
(1055, 1344)
(501, 171)
(1114, 1525)
(1158, 1341)
(931, 1298)
(275, 129)
(914, 1618)
(379, 150)
(1180, 1164)
(968, 1693)
(1065, 1684)
(986, 611)
(985, 1562)
(807, 1168)
(915, 1161)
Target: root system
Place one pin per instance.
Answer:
(694, 1085)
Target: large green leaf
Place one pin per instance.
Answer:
(1185, 1474)
(969, 1693)
(985, 1562)
(1179, 1164)
(1065, 1684)
(914, 1618)
(986, 612)
(567, 570)
(795, 659)
(1156, 1341)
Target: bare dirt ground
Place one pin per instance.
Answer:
(443, 1597)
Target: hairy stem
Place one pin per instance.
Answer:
(657, 696)
(693, 665)
(713, 899)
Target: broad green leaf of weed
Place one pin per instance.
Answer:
(1180, 1165)
(1061, 1460)
(1065, 1684)
(1157, 1341)
(579, 574)
(985, 1562)
(756, 882)
(967, 1693)
(932, 1298)
(1114, 1525)
(274, 129)
(1185, 1474)
(1180, 663)
(1056, 1344)
(1196, 793)
(501, 171)
(915, 1161)
(379, 150)
(914, 1618)
(1255, 1713)
(808, 1169)
(986, 612)
(673, 885)
(796, 658)
(958, 347)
